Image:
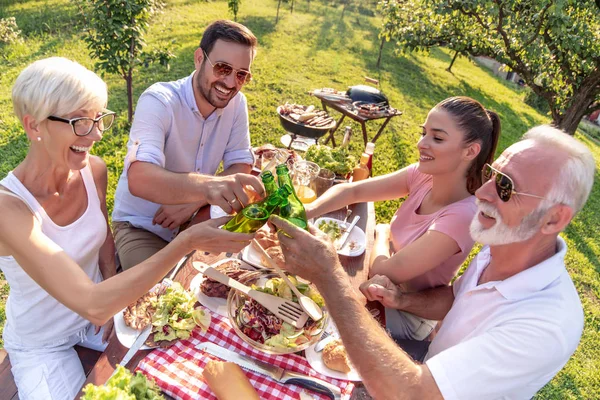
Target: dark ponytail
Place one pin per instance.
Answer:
(479, 125)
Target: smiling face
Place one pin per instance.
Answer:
(441, 147)
(63, 147)
(532, 169)
(216, 91)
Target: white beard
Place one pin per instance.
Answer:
(500, 233)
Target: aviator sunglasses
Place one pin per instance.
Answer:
(504, 184)
(222, 69)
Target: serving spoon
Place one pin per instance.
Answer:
(307, 304)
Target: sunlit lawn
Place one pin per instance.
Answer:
(308, 50)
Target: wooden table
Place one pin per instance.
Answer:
(356, 267)
(362, 120)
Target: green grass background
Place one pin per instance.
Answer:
(311, 48)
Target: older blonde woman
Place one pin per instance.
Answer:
(56, 249)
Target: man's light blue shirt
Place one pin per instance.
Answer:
(169, 131)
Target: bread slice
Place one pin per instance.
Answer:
(335, 356)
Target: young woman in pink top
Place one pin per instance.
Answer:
(428, 238)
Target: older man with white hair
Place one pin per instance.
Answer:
(511, 321)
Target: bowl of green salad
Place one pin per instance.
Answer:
(264, 331)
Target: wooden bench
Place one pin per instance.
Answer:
(8, 389)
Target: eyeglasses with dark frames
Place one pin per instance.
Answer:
(505, 186)
(222, 69)
(82, 126)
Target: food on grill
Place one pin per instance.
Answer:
(307, 115)
(372, 109)
(212, 288)
(228, 381)
(335, 356)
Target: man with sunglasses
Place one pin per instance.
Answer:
(510, 322)
(181, 133)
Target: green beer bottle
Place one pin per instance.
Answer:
(269, 183)
(293, 210)
(255, 215)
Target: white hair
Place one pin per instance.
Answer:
(57, 86)
(576, 177)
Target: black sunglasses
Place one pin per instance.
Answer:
(504, 184)
(222, 69)
(82, 126)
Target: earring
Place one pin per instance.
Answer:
(39, 139)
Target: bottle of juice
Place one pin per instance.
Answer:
(254, 216)
(293, 210)
(361, 171)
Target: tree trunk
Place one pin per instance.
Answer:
(449, 69)
(292, 8)
(277, 18)
(343, 11)
(129, 80)
(569, 120)
(380, 52)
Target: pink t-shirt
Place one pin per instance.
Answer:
(453, 220)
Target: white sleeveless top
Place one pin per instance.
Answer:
(35, 319)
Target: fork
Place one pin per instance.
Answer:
(286, 310)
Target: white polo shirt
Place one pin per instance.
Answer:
(168, 130)
(507, 339)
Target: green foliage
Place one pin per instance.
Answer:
(534, 100)
(115, 36)
(9, 31)
(234, 7)
(323, 52)
(553, 45)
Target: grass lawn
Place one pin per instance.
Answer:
(305, 50)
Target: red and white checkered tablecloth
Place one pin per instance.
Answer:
(178, 369)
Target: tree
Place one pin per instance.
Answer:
(234, 7)
(115, 37)
(554, 45)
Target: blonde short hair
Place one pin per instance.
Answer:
(57, 86)
(576, 177)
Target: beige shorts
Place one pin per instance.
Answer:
(135, 245)
(403, 325)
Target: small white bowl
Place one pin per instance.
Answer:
(357, 241)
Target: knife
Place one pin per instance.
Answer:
(139, 341)
(346, 234)
(276, 373)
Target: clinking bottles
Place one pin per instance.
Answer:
(269, 183)
(361, 171)
(293, 209)
(254, 216)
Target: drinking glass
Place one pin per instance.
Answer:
(324, 181)
(304, 179)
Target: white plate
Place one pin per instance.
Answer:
(357, 236)
(252, 256)
(126, 334)
(316, 359)
(215, 304)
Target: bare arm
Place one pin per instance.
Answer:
(385, 187)
(431, 304)
(106, 260)
(156, 184)
(420, 256)
(69, 284)
(386, 370)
